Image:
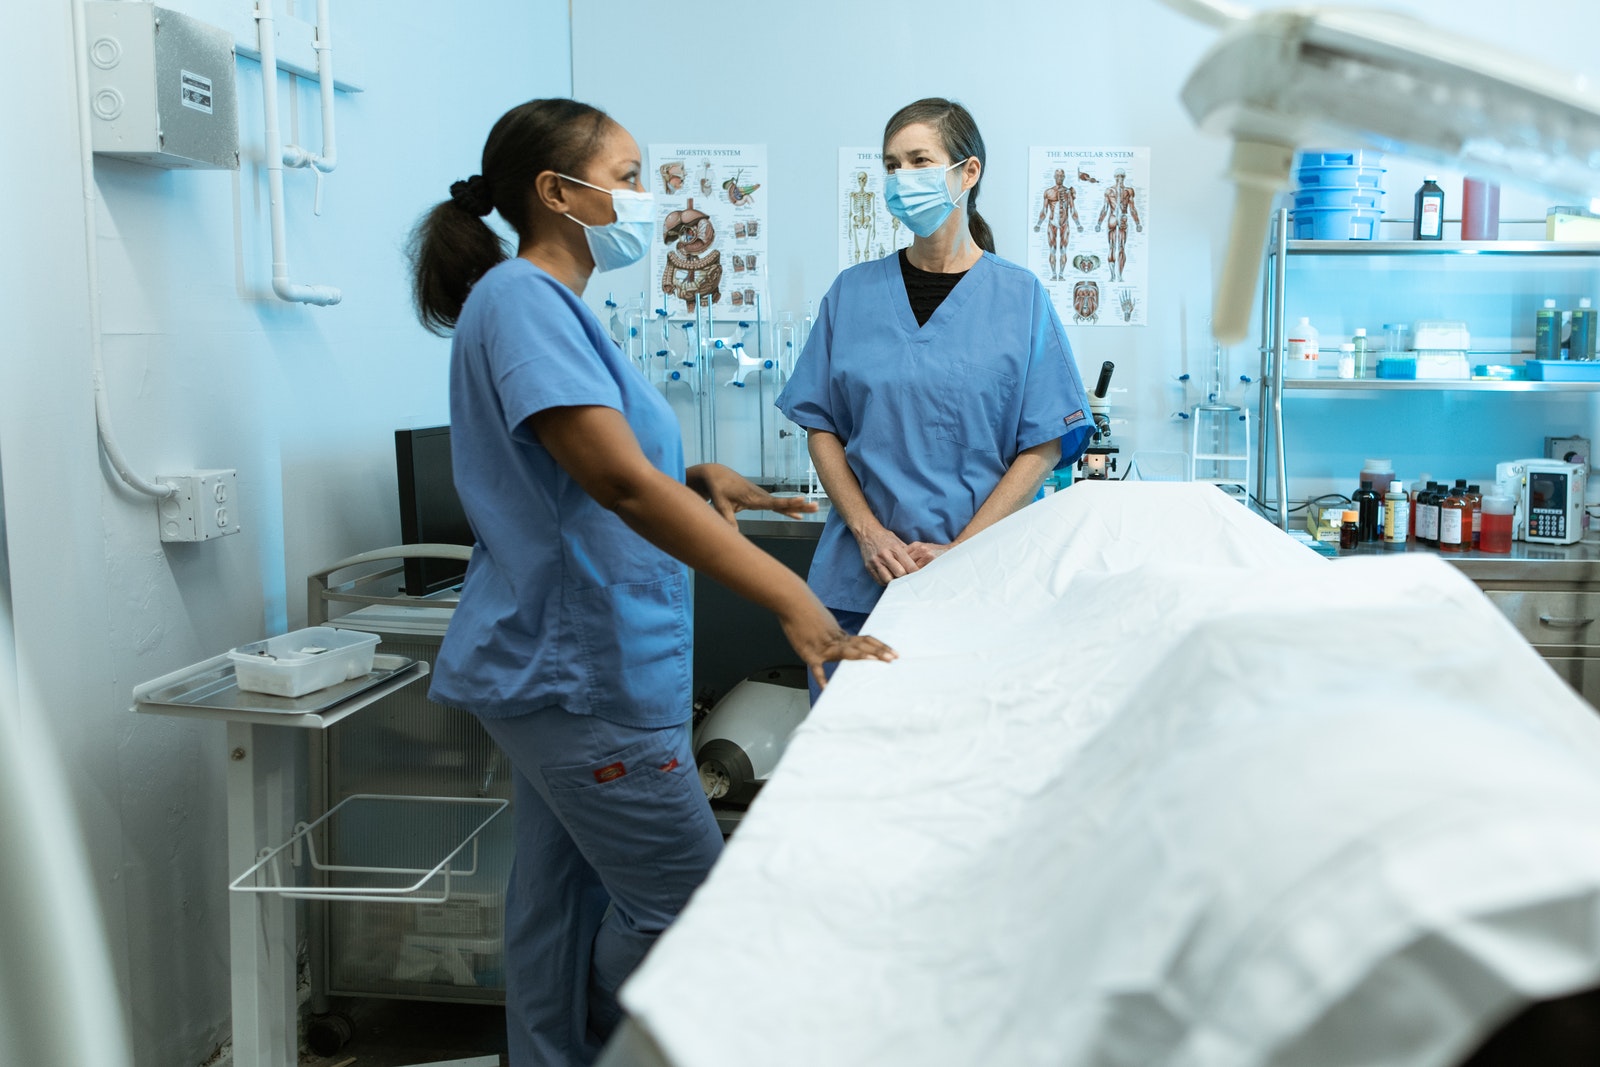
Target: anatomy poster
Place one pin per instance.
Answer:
(1089, 232)
(866, 229)
(711, 235)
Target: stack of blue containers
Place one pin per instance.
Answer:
(1340, 197)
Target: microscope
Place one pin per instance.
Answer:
(1099, 460)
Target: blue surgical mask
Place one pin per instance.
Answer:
(624, 242)
(920, 198)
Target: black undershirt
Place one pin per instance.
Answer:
(925, 289)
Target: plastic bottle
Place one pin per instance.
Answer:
(1350, 530)
(1396, 516)
(1547, 332)
(1427, 222)
(1366, 500)
(1347, 360)
(1364, 367)
(1428, 516)
(1475, 498)
(1455, 521)
(1416, 491)
(1380, 472)
(1497, 519)
(1480, 210)
(1301, 350)
(1581, 343)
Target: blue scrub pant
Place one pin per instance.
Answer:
(850, 622)
(613, 834)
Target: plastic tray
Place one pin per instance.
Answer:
(1335, 224)
(1345, 157)
(212, 686)
(303, 661)
(1364, 197)
(1562, 370)
(1316, 177)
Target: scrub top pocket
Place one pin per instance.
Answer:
(634, 642)
(975, 408)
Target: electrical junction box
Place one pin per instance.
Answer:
(161, 87)
(205, 505)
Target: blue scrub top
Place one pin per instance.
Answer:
(562, 604)
(931, 417)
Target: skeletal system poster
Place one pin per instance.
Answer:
(866, 229)
(711, 228)
(1088, 237)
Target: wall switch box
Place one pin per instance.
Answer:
(205, 505)
(161, 87)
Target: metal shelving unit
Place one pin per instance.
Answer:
(1273, 296)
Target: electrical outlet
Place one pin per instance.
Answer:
(205, 504)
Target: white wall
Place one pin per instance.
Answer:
(205, 368)
(808, 78)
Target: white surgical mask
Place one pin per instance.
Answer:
(624, 242)
(920, 197)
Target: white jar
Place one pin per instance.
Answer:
(1300, 351)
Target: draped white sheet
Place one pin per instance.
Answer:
(1152, 784)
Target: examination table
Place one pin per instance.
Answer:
(1151, 784)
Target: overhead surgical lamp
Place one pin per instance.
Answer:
(1283, 79)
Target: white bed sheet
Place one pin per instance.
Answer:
(1153, 784)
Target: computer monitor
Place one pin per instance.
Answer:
(430, 510)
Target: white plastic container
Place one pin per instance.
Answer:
(303, 661)
(1300, 350)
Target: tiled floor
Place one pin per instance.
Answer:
(403, 1033)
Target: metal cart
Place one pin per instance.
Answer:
(351, 852)
(449, 950)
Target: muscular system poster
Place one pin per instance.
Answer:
(1089, 232)
(711, 228)
(866, 229)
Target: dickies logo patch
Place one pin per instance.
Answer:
(672, 765)
(610, 772)
(1073, 419)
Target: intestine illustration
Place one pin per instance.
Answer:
(694, 267)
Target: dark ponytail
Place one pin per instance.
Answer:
(451, 246)
(961, 140)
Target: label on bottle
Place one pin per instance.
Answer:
(1450, 526)
(1428, 522)
(1397, 521)
(1430, 224)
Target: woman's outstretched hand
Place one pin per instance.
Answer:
(816, 636)
(731, 492)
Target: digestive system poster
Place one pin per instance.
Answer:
(711, 228)
(1089, 232)
(866, 229)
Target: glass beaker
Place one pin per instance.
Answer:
(1396, 337)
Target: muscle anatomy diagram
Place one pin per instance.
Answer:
(1081, 275)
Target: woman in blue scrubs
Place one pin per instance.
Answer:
(937, 388)
(571, 642)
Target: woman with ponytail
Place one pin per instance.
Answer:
(571, 641)
(938, 388)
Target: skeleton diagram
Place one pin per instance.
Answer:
(1119, 205)
(1060, 200)
(863, 224)
(694, 268)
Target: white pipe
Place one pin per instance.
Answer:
(1218, 14)
(294, 155)
(91, 255)
(321, 295)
